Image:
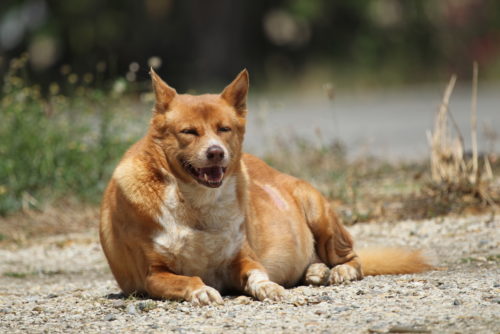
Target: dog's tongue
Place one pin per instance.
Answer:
(212, 174)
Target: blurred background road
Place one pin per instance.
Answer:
(390, 124)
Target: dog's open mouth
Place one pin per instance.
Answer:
(208, 176)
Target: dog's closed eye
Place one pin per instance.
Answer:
(190, 131)
(224, 129)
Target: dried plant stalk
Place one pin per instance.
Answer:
(446, 150)
(473, 121)
(451, 172)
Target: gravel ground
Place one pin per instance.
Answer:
(62, 284)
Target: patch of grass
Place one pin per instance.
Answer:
(493, 258)
(147, 305)
(56, 144)
(15, 274)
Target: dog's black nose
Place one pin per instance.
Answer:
(215, 153)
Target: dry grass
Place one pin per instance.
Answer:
(69, 216)
(455, 174)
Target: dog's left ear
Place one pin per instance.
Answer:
(236, 93)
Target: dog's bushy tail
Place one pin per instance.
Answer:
(392, 261)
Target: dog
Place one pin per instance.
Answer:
(187, 215)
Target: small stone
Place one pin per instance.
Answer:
(299, 302)
(319, 312)
(342, 309)
(244, 300)
(444, 286)
(154, 326)
(496, 285)
(52, 295)
(325, 298)
(32, 299)
(408, 329)
(482, 243)
(131, 309)
(360, 292)
(37, 309)
(457, 302)
(118, 304)
(495, 300)
(110, 317)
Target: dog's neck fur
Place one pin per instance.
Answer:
(198, 196)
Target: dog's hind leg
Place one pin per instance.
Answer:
(333, 243)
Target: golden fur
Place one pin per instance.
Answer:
(187, 215)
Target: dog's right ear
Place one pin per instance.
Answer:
(164, 94)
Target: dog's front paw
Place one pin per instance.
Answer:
(205, 296)
(343, 273)
(260, 287)
(268, 290)
(317, 274)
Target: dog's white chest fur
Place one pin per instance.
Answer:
(202, 233)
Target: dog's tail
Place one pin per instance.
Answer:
(392, 261)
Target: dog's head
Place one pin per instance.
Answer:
(201, 135)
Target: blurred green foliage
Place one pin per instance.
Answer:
(56, 146)
(208, 41)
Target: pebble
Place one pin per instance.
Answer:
(131, 309)
(408, 329)
(110, 317)
(244, 300)
(118, 304)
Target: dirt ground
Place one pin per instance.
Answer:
(61, 284)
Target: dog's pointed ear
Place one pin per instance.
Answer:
(236, 93)
(164, 94)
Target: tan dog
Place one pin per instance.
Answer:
(187, 214)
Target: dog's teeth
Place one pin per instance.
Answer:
(205, 176)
